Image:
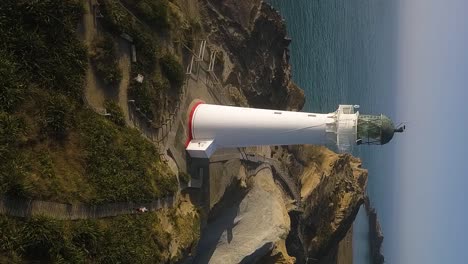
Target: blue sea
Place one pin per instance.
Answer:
(343, 52)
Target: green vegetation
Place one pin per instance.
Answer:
(237, 97)
(143, 94)
(58, 116)
(117, 20)
(12, 166)
(116, 114)
(184, 177)
(151, 95)
(39, 57)
(173, 70)
(11, 88)
(121, 164)
(155, 13)
(123, 239)
(105, 61)
(51, 146)
(39, 40)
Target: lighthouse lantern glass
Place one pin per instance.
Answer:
(374, 129)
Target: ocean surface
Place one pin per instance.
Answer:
(343, 52)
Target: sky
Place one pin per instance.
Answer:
(430, 218)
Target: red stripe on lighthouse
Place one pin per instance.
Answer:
(190, 123)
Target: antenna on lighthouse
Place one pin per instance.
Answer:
(400, 128)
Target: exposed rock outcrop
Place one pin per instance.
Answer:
(332, 190)
(375, 234)
(247, 224)
(254, 37)
(278, 255)
(253, 40)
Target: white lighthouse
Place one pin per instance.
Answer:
(216, 126)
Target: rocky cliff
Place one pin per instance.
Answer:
(246, 222)
(253, 37)
(375, 234)
(332, 190)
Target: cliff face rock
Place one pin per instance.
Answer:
(278, 255)
(248, 223)
(375, 234)
(332, 190)
(254, 37)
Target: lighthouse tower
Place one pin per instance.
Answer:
(216, 126)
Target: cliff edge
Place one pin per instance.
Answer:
(255, 68)
(254, 39)
(332, 190)
(375, 234)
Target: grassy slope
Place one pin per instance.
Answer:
(51, 147)
(162, 70)
(124, 239)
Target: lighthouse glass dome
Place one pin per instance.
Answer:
(374, 129)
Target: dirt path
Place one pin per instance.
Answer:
(125, 67)
(61, 211)
(94, 92)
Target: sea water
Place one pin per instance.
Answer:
(342, 52)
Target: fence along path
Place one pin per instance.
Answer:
(61, 211)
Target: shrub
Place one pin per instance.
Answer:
(42, 239)
(41, 38)
(121, 164)
(144, 97)
(86, 235)
(58, 116)
(118, 20)
(147, 49)
(195, 25)
(120, 239)
(12, 129)
(116, 114)
(12, 162)
(11, 87)
(154, 12)
(105, 61)
(173, 70)
(184, 177)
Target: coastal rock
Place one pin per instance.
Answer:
(278, 255)
(254, 37)
(375, 234)
(247, 224)
(332, 190)
(253, 40)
